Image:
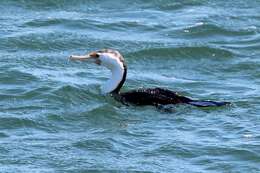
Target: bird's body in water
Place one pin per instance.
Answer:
(115, 62)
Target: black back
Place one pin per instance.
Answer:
(151, 96)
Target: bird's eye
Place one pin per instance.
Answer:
(94, 55)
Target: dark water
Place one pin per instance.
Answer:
(53, 119)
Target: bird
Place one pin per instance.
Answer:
(114, 61)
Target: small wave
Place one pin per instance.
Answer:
(169, 5)
(15, 122)
(70, 95)
(249, 46)
(243, 66)
(94, 144)
(61, 75)
(162, 78)
(45, 22)
(170, 150)
(184, 52)
(98, 24)
(210, 29)
(46, 41)
(131, 26)
(115, 170)
(45, 5)
(69, 23)
(41, 41)
(16, 77)
(3, 135)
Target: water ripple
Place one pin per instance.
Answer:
(54, 119)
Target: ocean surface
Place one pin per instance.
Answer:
(54, 119)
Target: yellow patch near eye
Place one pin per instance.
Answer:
(94, 55)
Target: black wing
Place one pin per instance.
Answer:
(159, 96)
(152, 96)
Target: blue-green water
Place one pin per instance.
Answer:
(53, 119)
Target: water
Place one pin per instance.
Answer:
(53, 119)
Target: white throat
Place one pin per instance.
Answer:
(117, 72)
(113, 82)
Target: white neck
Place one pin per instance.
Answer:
(113, 82)
(117, 69)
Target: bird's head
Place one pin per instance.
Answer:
(112, 60)
(109, 58)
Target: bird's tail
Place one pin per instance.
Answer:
(202, 103)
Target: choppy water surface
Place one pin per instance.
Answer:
(53, 119)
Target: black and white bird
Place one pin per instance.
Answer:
(115, 62)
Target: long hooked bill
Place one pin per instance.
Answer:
(79, 57)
